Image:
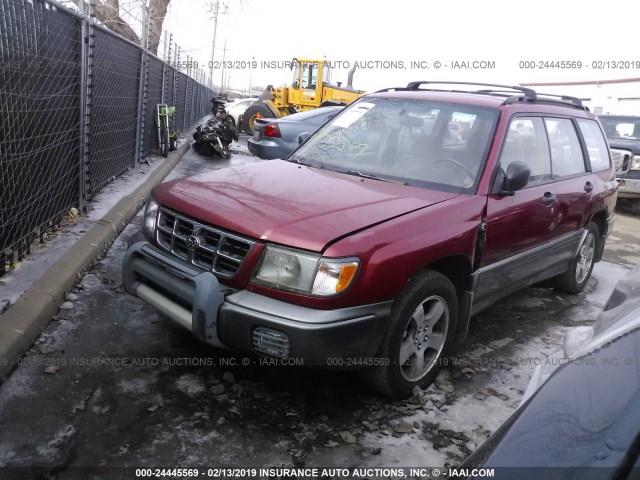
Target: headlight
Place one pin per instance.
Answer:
(302, 272)
(150, 218)
(635, 163)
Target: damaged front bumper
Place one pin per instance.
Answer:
(247, 321)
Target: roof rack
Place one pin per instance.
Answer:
(566, 98)
(529, 93)
(395, 89)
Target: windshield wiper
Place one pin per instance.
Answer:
(357, 173)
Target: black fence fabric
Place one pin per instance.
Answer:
(56, 71)
(180, 100)
(114, 111)
(154, 97)
(40, 105)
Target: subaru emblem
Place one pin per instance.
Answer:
(193, 241)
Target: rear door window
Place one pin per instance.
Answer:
(566, 152)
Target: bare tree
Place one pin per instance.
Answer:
(108, 13)
(157, 12)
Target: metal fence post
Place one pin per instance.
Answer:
(163, 95)
(86, 82)
(186, 95)
(142, 106)
(83, 116)
(175, 85)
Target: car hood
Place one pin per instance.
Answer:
(291, 204)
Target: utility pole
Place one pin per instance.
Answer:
(224, 57)
(215, 9)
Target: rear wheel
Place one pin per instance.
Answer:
(421, 328)
(251, 113)
(579, 271)
(164, 142)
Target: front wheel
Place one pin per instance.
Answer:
(579, 271)
(221, 149)
(258, 110)
(421, 328)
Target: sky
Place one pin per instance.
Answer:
(400, 41)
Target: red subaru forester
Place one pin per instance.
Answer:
(373, 244)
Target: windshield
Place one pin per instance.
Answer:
(623, 128)
(420, 143)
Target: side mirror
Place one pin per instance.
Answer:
(516, 178)
(303, 137)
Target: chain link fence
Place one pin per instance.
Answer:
(78, 109)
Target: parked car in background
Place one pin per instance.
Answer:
(623, 133)
(376, 241)
(277, 138)
(236, 108)
(583, 422)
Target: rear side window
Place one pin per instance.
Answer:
(596, 145)
(566, 153)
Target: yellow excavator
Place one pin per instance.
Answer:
(311, 88)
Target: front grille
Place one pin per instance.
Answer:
(202, 245)
(621, 160)
(271, 342)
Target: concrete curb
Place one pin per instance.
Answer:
(31, 313)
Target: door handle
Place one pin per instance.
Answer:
(588, 187)
(548, 198)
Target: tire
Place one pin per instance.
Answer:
(249, 116)
(579, 271)
(164, 142)
(173, 144)
(634, 206)
(221, 149)
(224, 153)
(413, 343)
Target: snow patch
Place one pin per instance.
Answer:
(62, 436)
(135, 385)
(19, 385)
(6, 455)
(405, 451)
(191, 385)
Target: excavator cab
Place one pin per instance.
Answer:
(310, 88)
(306, 73)
(306, 90)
